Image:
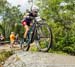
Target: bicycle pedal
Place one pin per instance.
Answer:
(25, 46)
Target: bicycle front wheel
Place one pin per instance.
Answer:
(44, 37)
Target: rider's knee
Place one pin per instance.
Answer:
(27, 29)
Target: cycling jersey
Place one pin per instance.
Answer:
(28, 20)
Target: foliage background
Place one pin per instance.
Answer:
(60, 15)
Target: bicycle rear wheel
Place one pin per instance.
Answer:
(44, 37)
(29, 39)
(26, 45)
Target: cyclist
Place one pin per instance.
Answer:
(27, 21)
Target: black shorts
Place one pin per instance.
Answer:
(26, 23)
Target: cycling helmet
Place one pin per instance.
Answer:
(35, 8)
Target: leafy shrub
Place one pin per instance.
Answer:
(69, 50)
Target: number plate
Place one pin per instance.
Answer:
(38, 19)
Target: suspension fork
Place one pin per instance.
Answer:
(33, 32)
(37, 36)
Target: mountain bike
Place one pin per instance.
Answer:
(39, 32)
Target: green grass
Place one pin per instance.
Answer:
(57, 52)
(33, 48)
(4, 55)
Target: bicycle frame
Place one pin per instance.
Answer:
(34, 31)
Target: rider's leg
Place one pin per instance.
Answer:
(26, 31)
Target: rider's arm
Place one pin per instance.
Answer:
(25, 16)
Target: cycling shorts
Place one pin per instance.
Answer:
(25, 23)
